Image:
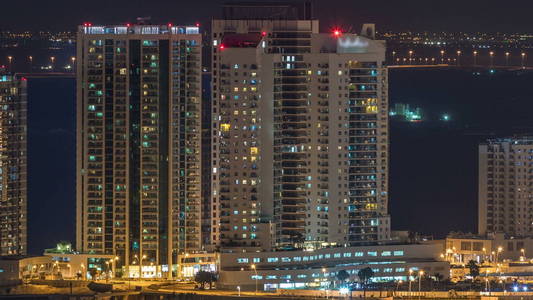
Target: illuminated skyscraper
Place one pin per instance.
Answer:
(13, 165)
(139, 143)
(505, 186)
(300, 143)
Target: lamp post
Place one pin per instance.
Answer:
(327, 287)
(53, 59)
(523, 252)
(30, 59)
(491, 54)
(420, 274)
(507, 58)
(410, 56)
(410, 280)
(239, 290)
(10, 59)
(141, 266)
(256, 278)
(441, 56)
(500, 249)
(458, 57)
(523, 56)
(475, 57)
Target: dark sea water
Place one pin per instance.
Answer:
(433, 171)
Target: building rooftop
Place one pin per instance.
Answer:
(292, 10)
(124, 29)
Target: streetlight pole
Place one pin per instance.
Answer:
(507, 58)
(458, 57)
(523, 55)
(324, 275)
(420, 274)
(475, 58)
(255, 270)
(441, 56)
(410, 281)
(491, 53)
(10, 59)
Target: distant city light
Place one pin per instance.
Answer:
(445, 117)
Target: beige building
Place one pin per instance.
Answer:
(13, 165)
(139, 143)
(505, 190)
(492, 248)
(300, 132)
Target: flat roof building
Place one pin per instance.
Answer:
(505, 182)
(300, 150)
(139, 143)
(13, 165)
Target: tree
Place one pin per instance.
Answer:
(474, 269)
(93, 272)
(204, 277)
(342, 275)
(438, 277)
(364, 276)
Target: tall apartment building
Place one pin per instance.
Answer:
(13, 165)
(505, 193)
(139, 143)
(300, 131)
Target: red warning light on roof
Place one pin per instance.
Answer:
(263, 33)
(169, 24)
(221, 47)
(128, 24)
(337, 32)
(24, 79)
(197, 24)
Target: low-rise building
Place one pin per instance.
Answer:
(460, 248)
(318, 268)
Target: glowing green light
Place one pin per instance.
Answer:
(445, 117)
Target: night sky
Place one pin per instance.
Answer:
(416, 15)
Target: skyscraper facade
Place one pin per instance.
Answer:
(13, 165)
(300, 141)
(139, 143)
(505, 204)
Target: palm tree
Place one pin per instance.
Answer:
(364, 276)
(342, 275)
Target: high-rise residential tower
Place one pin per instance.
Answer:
(13, 165)
(139, 143)
(505, 186)
(300, 141)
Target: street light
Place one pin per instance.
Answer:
(500, 249)
(239, 290)
(10, 59)
(491, 53)
(327, 287)
(507, 58)
(410, 56)
(475, 57)
(410, 280)
(420, 274)
(523, 55)
(141, 266)
(458, 57)
(256, 278)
